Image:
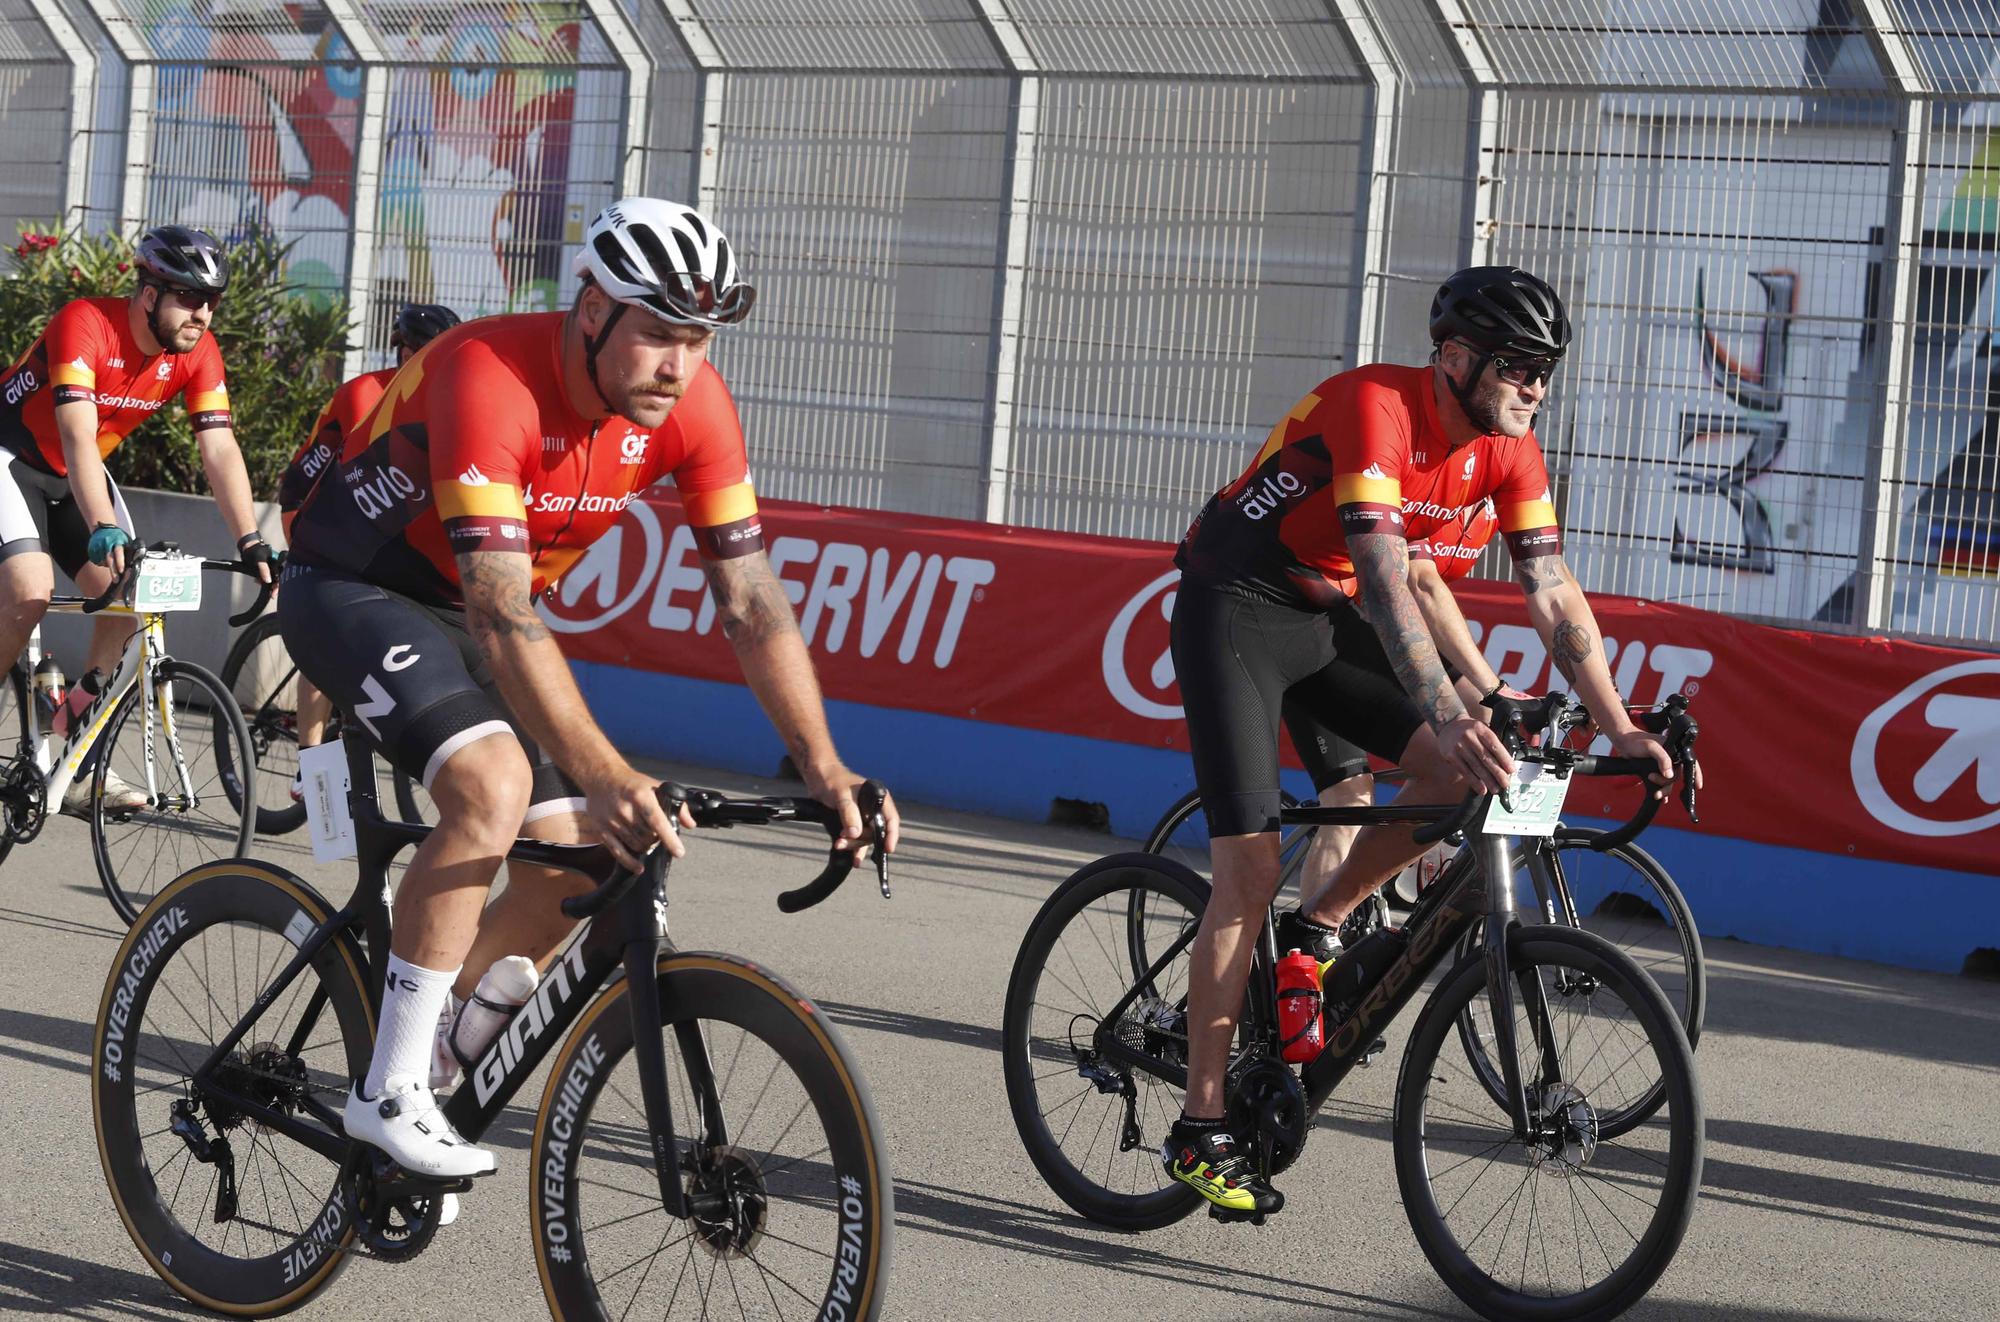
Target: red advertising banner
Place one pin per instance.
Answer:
(1872, 747)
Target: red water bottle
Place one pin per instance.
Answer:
(1299, 1027)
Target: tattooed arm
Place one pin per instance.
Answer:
(757, 619)
(1382, 566)
(1561, 614)
(621, 809)
(1448, 627)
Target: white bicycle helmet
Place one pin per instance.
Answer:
(666, 258)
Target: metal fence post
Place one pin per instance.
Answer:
(1902, 259)
(365, 216)
(1379, 145)
(1482, 225)
(707, 57)
(1024, 109)
(624, 43)
(138, 108)
(83, 102)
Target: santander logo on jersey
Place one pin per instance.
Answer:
(1927, 761)
(872, 602)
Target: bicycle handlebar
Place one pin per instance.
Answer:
(713, 809)
(125, 580)
(1514, 718)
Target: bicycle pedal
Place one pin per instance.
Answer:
(1226, 1216)
(1375, 1048)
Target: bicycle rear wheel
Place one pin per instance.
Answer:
(1092, 1126)
(22, 806)
(1570, 1223)
(793, 1206)
(261, 676)
(188, 972)
(178, 736)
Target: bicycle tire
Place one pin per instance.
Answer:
(14, 722)
(1683, 980)
(1436, 1108)
(848, 1176)
(143, 1048)
(1029, 1054)
(131, 878)
(270, 712)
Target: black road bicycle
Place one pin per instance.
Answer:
(707, 1146)
(1583, 877)
(1547, 1127)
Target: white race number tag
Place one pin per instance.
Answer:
(324, 772)
(1534, 802)
(168, 583)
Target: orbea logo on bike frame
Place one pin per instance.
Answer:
(872, 599)
(1927, 761)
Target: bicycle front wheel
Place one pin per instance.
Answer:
(776, 1145)
(178, 738)
(1569, 1223)
(1626, 897)
(230, 1212)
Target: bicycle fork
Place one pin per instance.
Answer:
(642, 952)
(1496, 856)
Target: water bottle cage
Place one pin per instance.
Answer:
(501, 1008)
(1294, 993)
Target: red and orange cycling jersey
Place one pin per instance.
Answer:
(1456, 547)
(1363, 453)
(327, 438)
(474, 447)
(88, 355)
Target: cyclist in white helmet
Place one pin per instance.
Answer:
(415, 614)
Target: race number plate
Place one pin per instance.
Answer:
(1534, 802)
(168, 584)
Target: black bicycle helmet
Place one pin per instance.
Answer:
(420, 323)
(184, 258)
(1501, 311)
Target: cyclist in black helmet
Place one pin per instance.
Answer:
(416, 325)
(1296, 598)
(100, 368)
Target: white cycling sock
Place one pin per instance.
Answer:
(411, 1000)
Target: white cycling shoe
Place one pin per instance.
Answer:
(120, 795)
(406, 1124)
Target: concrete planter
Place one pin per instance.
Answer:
(196, 525)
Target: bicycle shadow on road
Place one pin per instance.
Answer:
(45, 1284)
(978, 1218)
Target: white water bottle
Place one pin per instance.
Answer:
(504, 989)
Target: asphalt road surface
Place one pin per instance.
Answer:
(1853, 1120)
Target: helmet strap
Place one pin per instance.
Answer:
(153, 322)
(592, 343)
(1464, 394)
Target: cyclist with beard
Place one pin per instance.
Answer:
(496, 456)
(103, 366)
(1296, 594)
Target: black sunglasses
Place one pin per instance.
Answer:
(1520, 373)
(194, 300)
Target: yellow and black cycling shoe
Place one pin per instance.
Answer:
(1207, 1161)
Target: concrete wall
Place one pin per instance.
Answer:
(194, 523)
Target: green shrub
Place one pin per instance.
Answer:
(281, 347)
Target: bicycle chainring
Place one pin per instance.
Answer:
(395, 1218)
(1267, 1112)
(26, 800)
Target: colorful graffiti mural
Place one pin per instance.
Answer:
(258, 128)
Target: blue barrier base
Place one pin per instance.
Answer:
(1926, 918)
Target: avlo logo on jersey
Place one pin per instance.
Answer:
(1927, 761)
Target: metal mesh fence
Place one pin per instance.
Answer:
(1062, 264)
